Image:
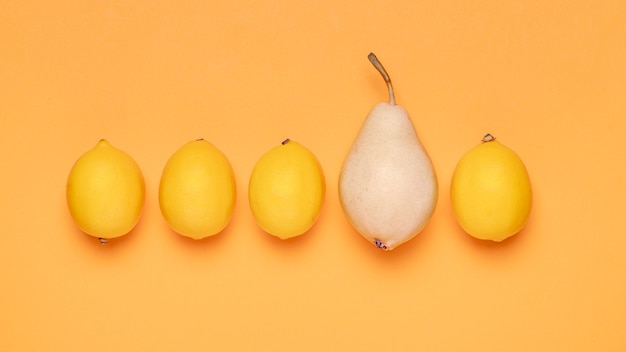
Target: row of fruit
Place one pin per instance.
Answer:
(387, 186)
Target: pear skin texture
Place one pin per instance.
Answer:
(388, 186)
(197, 191)
(105, 192)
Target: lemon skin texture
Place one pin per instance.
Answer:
(197, 191)
(491, 192)
(105, 192)
(286, 190)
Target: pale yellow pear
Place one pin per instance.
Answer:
(491, 193)
(286, 190)
(105, 192)
(388, 185)
(197, 191)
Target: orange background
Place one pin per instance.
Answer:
(547, 78)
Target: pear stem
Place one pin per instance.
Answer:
(374, 60)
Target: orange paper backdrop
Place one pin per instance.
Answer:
(547, 78)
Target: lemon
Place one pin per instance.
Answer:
(105, 192)
(197, 191)
(491, 192)
(286, 190)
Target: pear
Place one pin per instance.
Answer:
(387, 185)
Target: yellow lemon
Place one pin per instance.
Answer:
(197, 191)
(105, 192)
(490, 192)
(286, 190)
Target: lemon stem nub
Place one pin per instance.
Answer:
(488, 138)
(103, 241)
(285, 141)
(374, 60)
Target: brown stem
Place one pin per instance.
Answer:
(488, 138)
(374, 60)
